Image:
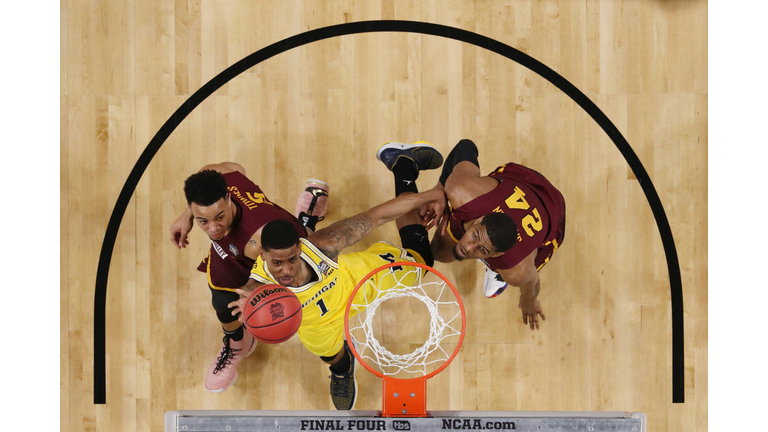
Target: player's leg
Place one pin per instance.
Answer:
(237, 344)
(343, 385)
(406, 161)
(312, 204)
(423, 156)
(461, 175)
(327, 342)
(415, 239)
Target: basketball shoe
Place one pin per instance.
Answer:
(223, 371)
(344, 386)
(493, 284)
(422, 153)
(312, 203)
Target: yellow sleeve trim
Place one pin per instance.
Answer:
(451, 233)
(316, 251)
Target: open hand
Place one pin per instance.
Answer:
(531, 312)
(239, 305)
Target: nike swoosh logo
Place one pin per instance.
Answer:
(408, 181)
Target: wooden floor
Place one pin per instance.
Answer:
(321, 111)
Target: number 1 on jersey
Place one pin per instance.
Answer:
(323, 308)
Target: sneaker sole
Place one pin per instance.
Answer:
(253, 347)
(221, 390)
(357, 348)
(354, 401)
(402, 146)
(320, 182)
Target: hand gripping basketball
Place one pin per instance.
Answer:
(272, 314)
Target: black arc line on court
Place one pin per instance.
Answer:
(673, 266)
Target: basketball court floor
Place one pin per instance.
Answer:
(320, 111)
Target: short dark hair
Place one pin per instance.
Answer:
(205, 187)
(279, 234)
(501, 229)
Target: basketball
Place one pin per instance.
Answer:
(272, 314)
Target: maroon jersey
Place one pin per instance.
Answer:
(227, 267)
(531, 201)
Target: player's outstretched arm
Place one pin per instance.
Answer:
(334, 238)
(180, 229)
(525, 277)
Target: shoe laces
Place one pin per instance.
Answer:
(341, 389)
(227, 354)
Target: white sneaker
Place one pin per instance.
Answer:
(493, 284)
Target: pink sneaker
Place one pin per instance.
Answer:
(313, 202)
(223, 371)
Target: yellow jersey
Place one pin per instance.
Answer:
(324, 298)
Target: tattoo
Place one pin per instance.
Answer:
(344, 233)
(253, 242)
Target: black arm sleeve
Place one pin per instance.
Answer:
(465, 150)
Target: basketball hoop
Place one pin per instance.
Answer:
(405, 375)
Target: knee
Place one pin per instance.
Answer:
(220, 301)
(225, 316)
(467, 144)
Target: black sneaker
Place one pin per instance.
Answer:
(422, 153)
(344, 386)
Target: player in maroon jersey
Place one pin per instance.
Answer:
(231, 210)
(513, 220)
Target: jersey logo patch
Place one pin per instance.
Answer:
(498, 210)
(234, 250)
(324, 268)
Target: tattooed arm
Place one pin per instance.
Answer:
(334, 238)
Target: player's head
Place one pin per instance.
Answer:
(281, 250)
(209, 202)
(487, 237)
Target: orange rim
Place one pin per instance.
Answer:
(412, 264)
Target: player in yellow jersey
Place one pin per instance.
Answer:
(323, 278)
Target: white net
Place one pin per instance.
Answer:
(413, 283)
